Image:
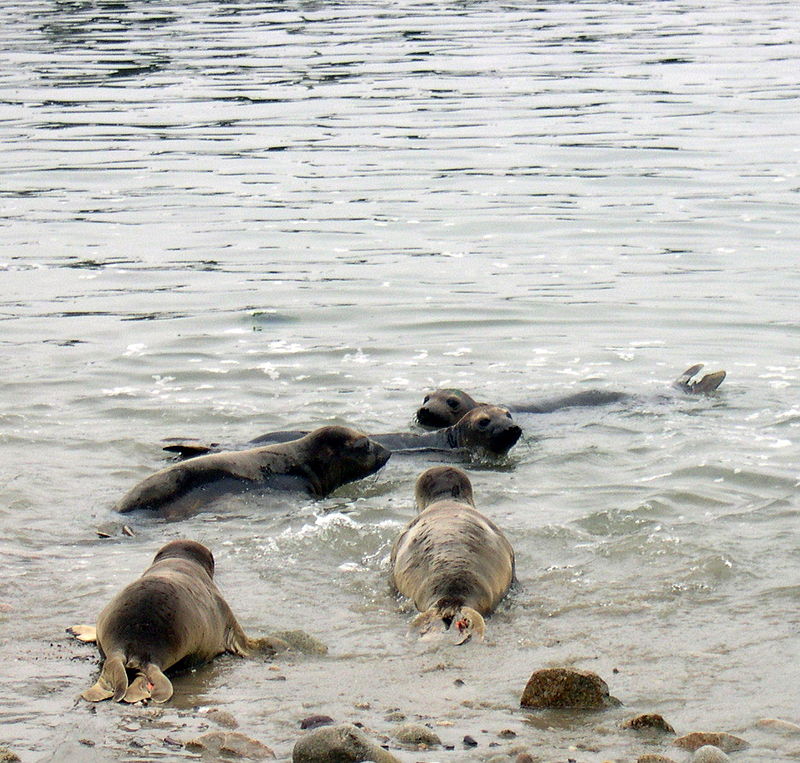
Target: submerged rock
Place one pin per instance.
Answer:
(222, 718)
(698, 739)
(650, 758)
(232, 744)
(302, 642)
(8, 756)
(567, 688)
(709, 754)
(416, 735)
(339, 744)
(315, 721)
(648, 721)
(777, 724)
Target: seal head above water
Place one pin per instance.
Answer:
(452, 561)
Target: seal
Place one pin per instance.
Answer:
(173, 616)
(451, 560)
(317, 463)
(444, 407)
(487, 428)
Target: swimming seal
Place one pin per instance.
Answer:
(173, 616)
(318, 463)
(485, 427)
(444, 407)
(451, 560)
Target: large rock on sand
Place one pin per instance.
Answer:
(339, 744)
(567, 688)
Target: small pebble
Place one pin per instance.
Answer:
(709, 754)
(507, 734)
(315, 721)
(778, 725)
(416, 734)
(470, 741)
(697, 739)
(90, 742)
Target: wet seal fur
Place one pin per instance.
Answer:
(318, 463)
(452, 561)
(444, 407)
(484, 427)
(173, 616)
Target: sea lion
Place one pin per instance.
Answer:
(451, 560)
(444, 407)
(173, 616)
(318, 463)
(485, 427)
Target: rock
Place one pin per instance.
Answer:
(230, 743)
(778, 725)
(566, 688)
(650, 758)
(698, 739)
(470, 741)
(416, 735)
(507, 734)
(222, 718)
(301, 642)
(7, 756)
(339, 744)
(709, 754)
(315, 721)
(648, 721)
(523, 757)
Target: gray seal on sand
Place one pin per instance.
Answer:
(317, 463)
(173, 616)
(444, 407)
(454, 563)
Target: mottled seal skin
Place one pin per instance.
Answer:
(318, 463)
(454, 563)
(487, 428)
(173, 616)
(444, 407)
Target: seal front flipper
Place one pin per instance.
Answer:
(87, 633)
(113, 681)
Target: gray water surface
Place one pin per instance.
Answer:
(223, 218)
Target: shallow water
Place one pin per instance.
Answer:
(220, 219)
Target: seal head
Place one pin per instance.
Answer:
(444, 407)
(486, 426)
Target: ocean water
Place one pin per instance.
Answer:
(223, 218)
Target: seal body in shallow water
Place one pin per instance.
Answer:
(172, 616)
(487, 428)
(318, 463)
(444, 407)
(452, 561)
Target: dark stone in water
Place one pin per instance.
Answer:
(338, 744)
(648, 721)
(566, 688)
(470, 741)
(698, 739)
(315, 721)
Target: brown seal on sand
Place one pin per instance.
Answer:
(318, 463)
(444, 407)
(484, 427)
(451, 560)
(173, 616)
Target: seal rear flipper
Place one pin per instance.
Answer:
(268, 645)
(708, 383)
(150, 683)
(113, 681)
(190, 449)
(470, 623)
(423, 623)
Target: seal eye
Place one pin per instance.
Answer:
(426, 398)
(362, 443)
(508, 415)
(452, 403)
(483, 423)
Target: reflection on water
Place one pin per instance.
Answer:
(223, 218)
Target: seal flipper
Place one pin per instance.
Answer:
(150, 683)
(708, 383)
(113, 681)
(470, 623)
(191, 448)
(87, 633)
